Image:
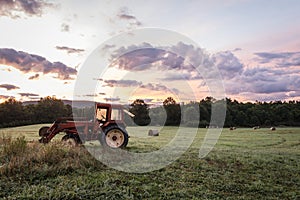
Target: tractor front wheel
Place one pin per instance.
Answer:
(114, 137)
(71, 140)
(43, 131)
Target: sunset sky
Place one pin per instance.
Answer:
(254, 43)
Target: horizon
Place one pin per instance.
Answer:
(161, 103)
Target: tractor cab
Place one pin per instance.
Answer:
(108, 127)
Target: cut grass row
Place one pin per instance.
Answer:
(245, 164)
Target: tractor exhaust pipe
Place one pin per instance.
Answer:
(129, 113)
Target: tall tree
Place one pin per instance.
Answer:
(50, 108)
(173, 111)
(141, 111)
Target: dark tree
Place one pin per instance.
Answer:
(173, 112)
(141, 111)
(50, 108)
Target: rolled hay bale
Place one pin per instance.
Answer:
(256, 127)
(272, 128)
(232, 128)
(153, 133)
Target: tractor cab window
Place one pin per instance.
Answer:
(102, 114)
(116, 114)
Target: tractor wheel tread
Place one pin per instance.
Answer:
(108, 129)
(43, 131)
(69, 136)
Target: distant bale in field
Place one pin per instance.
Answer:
(256, 127)
(272, 128)
(232, 128)
(153, 133)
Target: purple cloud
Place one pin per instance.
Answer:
(34, 77)
(281, 59)
(26, 63)
(90, 95)
(185, 75)
(265, 79)
(12, 8)
(159, 87)
(123, 14)
(69, 50)
(144, 57)
(122, 83)
(228, 64)
(9, 87)
(112, 99)
(24, 94)
(5, 97)
(134, 83)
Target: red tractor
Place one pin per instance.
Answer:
(107, 126)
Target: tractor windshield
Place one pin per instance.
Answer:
(102, 114)
(116, 114)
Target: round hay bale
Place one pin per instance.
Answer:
(272, 128)
(153, 133)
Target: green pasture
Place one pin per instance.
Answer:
(244, 164)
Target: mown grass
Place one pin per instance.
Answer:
(245, 164)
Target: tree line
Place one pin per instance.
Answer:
(14, 113)
(171, 113)
(238, 114)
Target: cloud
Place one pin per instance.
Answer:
(134, 83)
(108, 46)
(263, 80)
(34, 77)
(178, 57)
(123, 14)
(90, 95)
(185, 75)
(5, 97)
(275, 73)
(237, 49)
(12, 8)
(23, 94)
(123, 21)
(122, 83)
(9, 87)
(269, 56)
(65, 27)
(159, 87)
(26, 63)
(294, 93)
(281, 59)
(144, 57)
(112, 99)
(98, 79)
(229, 65)
(69, 50)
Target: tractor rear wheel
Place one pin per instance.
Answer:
(43, 131)
(114, 137)
(71, 140)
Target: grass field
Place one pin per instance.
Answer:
(245, 164)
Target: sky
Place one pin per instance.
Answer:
(46, 46)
